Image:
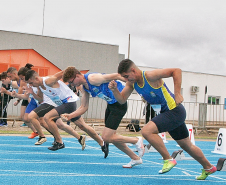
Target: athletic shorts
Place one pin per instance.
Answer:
(114, 114)
(24, 103)
(42, 109)
(31, 106)
(67, 108)
(172, 121)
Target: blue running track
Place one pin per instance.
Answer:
(23, 163)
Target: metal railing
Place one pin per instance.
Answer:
(198, 114)
(7, 107)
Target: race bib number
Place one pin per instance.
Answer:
(57, 101)
(102, 96)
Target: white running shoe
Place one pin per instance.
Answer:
(140, 146)
(41, 140)
(83, 142)
(133, 163)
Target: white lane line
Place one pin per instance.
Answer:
(123, 155)
(49, 174)
(186, 173)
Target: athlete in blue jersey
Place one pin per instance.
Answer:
(151, 87)
(96, 84)
(65, 99)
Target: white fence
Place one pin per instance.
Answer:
(197, 113)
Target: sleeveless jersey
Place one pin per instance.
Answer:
(18, 83)
(102, 91)
(6, 96)
(161, 95)
(35, 90)
(46, 99)
(60, 95)
(9, 88)
(14, 89)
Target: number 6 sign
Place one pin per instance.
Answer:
(220, 146)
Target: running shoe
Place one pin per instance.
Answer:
(24, 125)
(140, 146)
(168, 165)
(41, 140)
(105, 149)
(54, 141)
(56, 146)
(206, 173)
(133, 163)
(82, 141)
(3, 124)
(33, 135)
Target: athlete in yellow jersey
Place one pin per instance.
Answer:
(172, 116)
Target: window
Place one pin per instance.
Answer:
(5, 66)
(214, 100)
(17, 66)
(42, 71)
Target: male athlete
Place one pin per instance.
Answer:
(96, 84)
(66, 99)
(150, 85)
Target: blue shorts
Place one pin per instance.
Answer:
(31, 106)
(173, 121)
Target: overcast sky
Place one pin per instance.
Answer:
(189, 34)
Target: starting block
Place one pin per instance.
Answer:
(179, 156)
(221, 164)
(220, 146)
(148, 148)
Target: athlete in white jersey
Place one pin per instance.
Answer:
(36, 114)
(59, 95)
(36, 117)
(57, 90)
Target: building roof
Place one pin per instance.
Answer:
(84, 55)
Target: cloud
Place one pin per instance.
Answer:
(189, 34)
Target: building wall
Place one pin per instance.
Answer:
(215, 88)
(215, 85)
(95, 57)
(87, 56)
(19, 58)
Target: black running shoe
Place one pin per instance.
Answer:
(56, 146)
(54, 142)
(105, 149)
